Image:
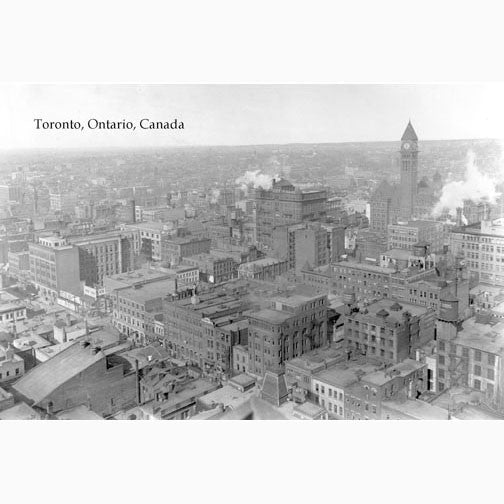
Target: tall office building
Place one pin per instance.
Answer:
(54, 266)
(285, 204)
(482, 246)
(105, 255)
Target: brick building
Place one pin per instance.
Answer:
(105, 255)
(213, 268)
(201, 330)
(284, 204)
(406, 235)
(314, 243)
(54, 266)
(482, 247)
(174, 249)
(291, 327)
(267, 268)
(388, 331)
(470, 354)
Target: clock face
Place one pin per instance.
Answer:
(406, 146)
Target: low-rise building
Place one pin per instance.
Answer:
(6, 399)
(130, 306)
(81, 374)
(300, 371)
(405, 235)
(263, 269)
(470, 354)
(292, 326)
(213, 269)
(387, 330)
(203, 329)
(12, 366)
(12, 312)
(174, 249)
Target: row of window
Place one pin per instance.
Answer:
(8, 374)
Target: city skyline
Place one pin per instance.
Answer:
(268, 114)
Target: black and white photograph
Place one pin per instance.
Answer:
(324, 259)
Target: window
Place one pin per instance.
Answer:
(441, 360)
(477, 384)
(491, 359)
(490, 374)
(477, 370)
(441, 374)
(477, 355)
(441, 346)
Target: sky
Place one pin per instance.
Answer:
(249, 114)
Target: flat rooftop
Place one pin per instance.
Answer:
(30, 341)
(343, 375)
(259, 263)
(296, 299)
(20, 411)
(483, 229)
(272, 316)
(417, 410)
(400, 254)
(228, 396)
(390, 311)
(141, 274)
(382, 376)
(418, 224)
(363, 266)
(315, 359)
(308, 409)
(149, 291)
(485, 337)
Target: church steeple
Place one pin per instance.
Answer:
(409, 134)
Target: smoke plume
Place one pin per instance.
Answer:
(475, 186)
(256, 178)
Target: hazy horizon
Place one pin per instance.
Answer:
(249, 115)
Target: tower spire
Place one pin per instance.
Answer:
(409, 134)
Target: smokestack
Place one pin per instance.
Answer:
(459, 216)
(486, 211)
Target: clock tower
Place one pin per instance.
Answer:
(409, 172)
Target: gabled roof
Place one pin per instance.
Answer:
(45, 378)
(409, 134)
